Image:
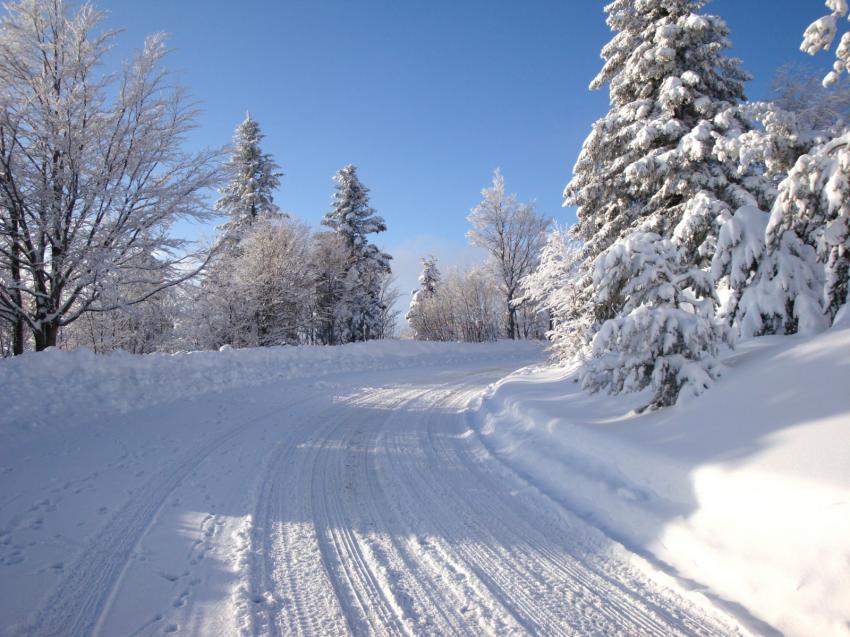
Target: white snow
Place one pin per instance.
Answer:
(315, 491)
(743, 493)
(58, 389)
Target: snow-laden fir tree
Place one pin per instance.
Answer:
(666, 336)
(650, 163)
(357, 309)
(813, 199)
(802, 278)
(773, 290)
(417, 316)
(814, 205)
(254, 176)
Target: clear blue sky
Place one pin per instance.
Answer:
(426, 98)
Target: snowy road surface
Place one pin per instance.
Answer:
(352, 504)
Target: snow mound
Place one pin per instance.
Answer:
(743, 492)
(49, 390)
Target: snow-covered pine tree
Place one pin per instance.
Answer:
(666, 337)
(739, 251)
(770, 291)
(358, 308)
(650, 164)
(417, 315)
(813, 203)
(254, 176)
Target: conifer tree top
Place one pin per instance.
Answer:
(352, 216)
(254, 176)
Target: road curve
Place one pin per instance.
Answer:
(363, 506)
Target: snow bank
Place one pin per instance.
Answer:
(743, 492)
(54, 388)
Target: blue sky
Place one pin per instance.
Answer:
(426, 98)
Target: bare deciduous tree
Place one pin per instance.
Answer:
(512, 233)
(92, 171)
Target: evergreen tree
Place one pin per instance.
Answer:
(650, 164)
(814, 205)
(254, 176)
(666, 337)
(429, 280)
(358, 307)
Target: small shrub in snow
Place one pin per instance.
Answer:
(666, 338)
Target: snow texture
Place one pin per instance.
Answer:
(354, 503)
(742, 493)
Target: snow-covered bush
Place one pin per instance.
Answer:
(257, 294)
(467, 305)
(666, 337)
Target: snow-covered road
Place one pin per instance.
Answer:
(353, 504)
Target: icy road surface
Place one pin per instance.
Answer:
(353, 504)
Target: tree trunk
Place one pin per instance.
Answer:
(512, 328)
(18, 337)
(46, 336)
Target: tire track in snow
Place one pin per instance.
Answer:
(420, 531)
(288, 587)
(82, 598)
(524, 562)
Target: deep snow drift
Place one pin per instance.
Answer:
(743, 492)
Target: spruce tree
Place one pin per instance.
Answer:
(254, 176)
(666, 336)
(650, 164)
(358, 307)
